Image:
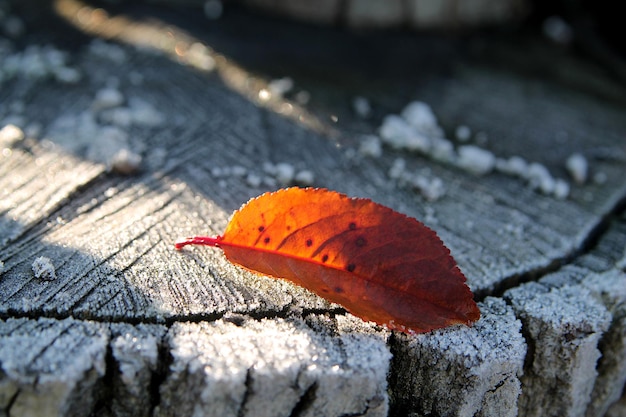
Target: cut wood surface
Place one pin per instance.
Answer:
(159, 126)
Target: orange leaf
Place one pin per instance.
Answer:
(377, 263)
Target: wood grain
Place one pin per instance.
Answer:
(125, 303)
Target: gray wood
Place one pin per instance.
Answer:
(50, 367)
(142, 318)
(137, 355)
(566, 324)
(274, 368)
(468, 372)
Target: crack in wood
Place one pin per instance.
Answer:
(588, 245)
(247, 394)
(306, 401)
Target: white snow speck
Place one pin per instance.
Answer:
(280, 86)
(218, 172)
(600, 178)
(442, 150)
(112, 52)
(285, 172)
(44, 269)
(397, 168)
(463, 133)
(362, 107)
(144, 114)
(199, 56)
(577, 167)
(105, 143)
(305, 177)
(254, 180)
(540, 178)
(419, 115)
(67, 75)
(125, 162)
(515, 166)
(10, 134)
(107, 98)
(431, 188)
(37, 62)
(397, 133)
(561, 189)
(238, 171)
(370, 146)
(269, 168)
(476, 160)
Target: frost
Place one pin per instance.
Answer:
(253, 180)
(398, 134)
(125, 162)
(239, 171)
(577, 167)
(397, 168)
(44, 269)
(432, 188)
(463, 133)
(416, 130)
(285, 172)
(107, 98)
(112, 52)
(442, 150)
(38, 62)
(561, 189)
(362, 107)
(281, 86)
(420, 116)
(476, 160)
(199, 56)
(10, 135)
(139, 112)
(370, 146)
(540, 178)
(305, 177)
(515, 165)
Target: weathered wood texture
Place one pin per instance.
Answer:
(125, 325)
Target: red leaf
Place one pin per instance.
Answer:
(377, 263)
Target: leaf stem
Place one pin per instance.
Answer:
(199, 240)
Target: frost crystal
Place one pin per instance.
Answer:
(577, 167)
(476, 160)
(44, 269)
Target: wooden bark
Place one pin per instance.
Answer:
(125, 325)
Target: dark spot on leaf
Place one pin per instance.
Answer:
(261, 228)
(352, 226)
(360, 241)
(309, 242)
(288, 228)
(350, 267)
(324, 258)
(338, 290)
(266, 240)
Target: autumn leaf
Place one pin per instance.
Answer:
(378, 264)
